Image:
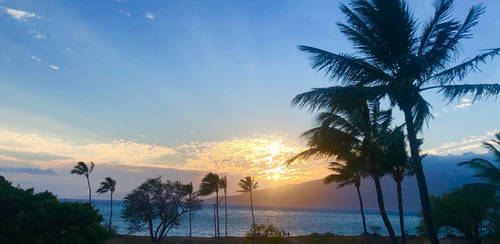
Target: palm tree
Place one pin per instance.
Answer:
(399, 166)
(248, 184)
(394, 59)
(357, 126)
(223, 185)
(350, 173)
(485, 169)
(210, 184)
(189, 190)
(82, 169)
(108, 185)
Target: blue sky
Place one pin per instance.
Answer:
(189, 84)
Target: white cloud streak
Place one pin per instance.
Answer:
(19, 14)
(472, 143)
(150, 16)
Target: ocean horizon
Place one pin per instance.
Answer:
(293, 220)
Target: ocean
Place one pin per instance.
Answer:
(296, 221)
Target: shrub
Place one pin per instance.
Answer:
(26, 217)
(470, 211)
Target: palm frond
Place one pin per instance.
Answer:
(446, 47)
(331, 119)
(338, 97)
(91, 168)
(209, 184)
(247, 184)
(492, 149)
(460, 71)
(421, 112)
(345, 67)
(80, 169)
(442, 13)
(361, 34)
(477, 91)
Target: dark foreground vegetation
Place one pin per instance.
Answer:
(28, 217)
(312, 239)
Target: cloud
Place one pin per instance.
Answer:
(19, 14)
(472, 143)
(150, 16)
(31, 171)
(262, 156)
(36, 58)
(41, 150)
(259, 155)
(37, 34)
(31, 156)
(124, 12)
(54, 67)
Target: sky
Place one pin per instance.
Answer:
(181, 88)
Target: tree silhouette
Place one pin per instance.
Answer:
(356, 126)
(108, 185)
(395, 59)
(189, 190)
(210, 184)
(223, 185)
(486, 169)
(82, 169)
(350, 173)
(248, 184)
(398, 166)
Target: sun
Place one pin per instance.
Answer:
(276, 177)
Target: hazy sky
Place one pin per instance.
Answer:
(191, 85)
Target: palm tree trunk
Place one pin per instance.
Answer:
(401, 216)
(362, 210)
(419, 173)
(225, 211)
(383, 213)
(217, 203)
(251, 207)
(90, 191)
(111, 210)
(190, 227)
(215, 224)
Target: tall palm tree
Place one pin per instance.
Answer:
(356, 126)
(82, 169)
(108, 185)
(486, 169)
(189, 190)
(248, 184)
(399, 166)
(350, 173)
(396, 59)
(210, 184)
(223, 185)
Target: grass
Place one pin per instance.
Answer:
(243, 240)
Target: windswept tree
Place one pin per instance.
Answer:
(356, 126)
(398, 167)
(108, 185)
(223, 185)
(395, 58)
(157, 207)
(189, 190)
(350, 173)
(248, 184)
(210, 184)
(485, 169)
(82, 169)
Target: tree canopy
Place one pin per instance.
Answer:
(158, 206)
